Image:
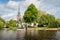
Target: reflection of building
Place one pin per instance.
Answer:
(20, 34)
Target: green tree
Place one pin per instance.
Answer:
(58, 20)
(2, 22)
(54, 25)
(50, 18)
(41, 13)
(12, 24)
(47, 19)
(43, 19)
(1, 19)
(30, 14)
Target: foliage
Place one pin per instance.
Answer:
(33, 15)
(1, 24)
(59, 24)
(12, 24)
(47, 19)
(54, 25)
(30, 14)
(58, 20)
(2, 20)
(40, 13)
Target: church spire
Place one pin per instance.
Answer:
(19, 9)
(18, 15)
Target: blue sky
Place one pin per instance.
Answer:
(9, 8)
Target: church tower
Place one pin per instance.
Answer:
(18, 15)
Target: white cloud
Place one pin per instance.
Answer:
(35, 2)
(13, 4)
(7, 9)
(8, 15)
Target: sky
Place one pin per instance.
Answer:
(9, 8)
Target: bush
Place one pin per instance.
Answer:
(59, 24)
(53, 25)
(40, 25)
(1, 25)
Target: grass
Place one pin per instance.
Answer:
(42, 28)
(12, 28)
(35, 27)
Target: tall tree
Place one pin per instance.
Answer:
(12, 23)
(30, 14)
(58, 20)
(47, 19)
(40, 13)
(1, 19)
(2, 22)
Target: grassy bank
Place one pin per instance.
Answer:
(42, 28)
(12, 28)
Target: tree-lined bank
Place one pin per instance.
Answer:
(33, 15)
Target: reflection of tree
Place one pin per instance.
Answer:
(40, 35)
(31, 35)
(20, 35)
(17, 35)
(47, 34)
(1, 31)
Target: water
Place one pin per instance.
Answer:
(29, 35)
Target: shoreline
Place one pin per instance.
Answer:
(43, 28)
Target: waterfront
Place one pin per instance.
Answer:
(30, 35)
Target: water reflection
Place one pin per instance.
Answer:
(40, 35)
(8, 35)
(21, 35)
(29, 35)
(58, 35)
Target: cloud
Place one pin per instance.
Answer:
(26, 3)
(10, 9)
(13, 4)
(9, 16)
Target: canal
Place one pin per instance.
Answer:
(30, 35)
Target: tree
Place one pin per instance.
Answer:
(40, 13)
(50, 18)
(58, 20)
(30, 14)
(43, 19)
(54, 25)
(2, 22)
(47, 19)
(1, 19)
(12, 24)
